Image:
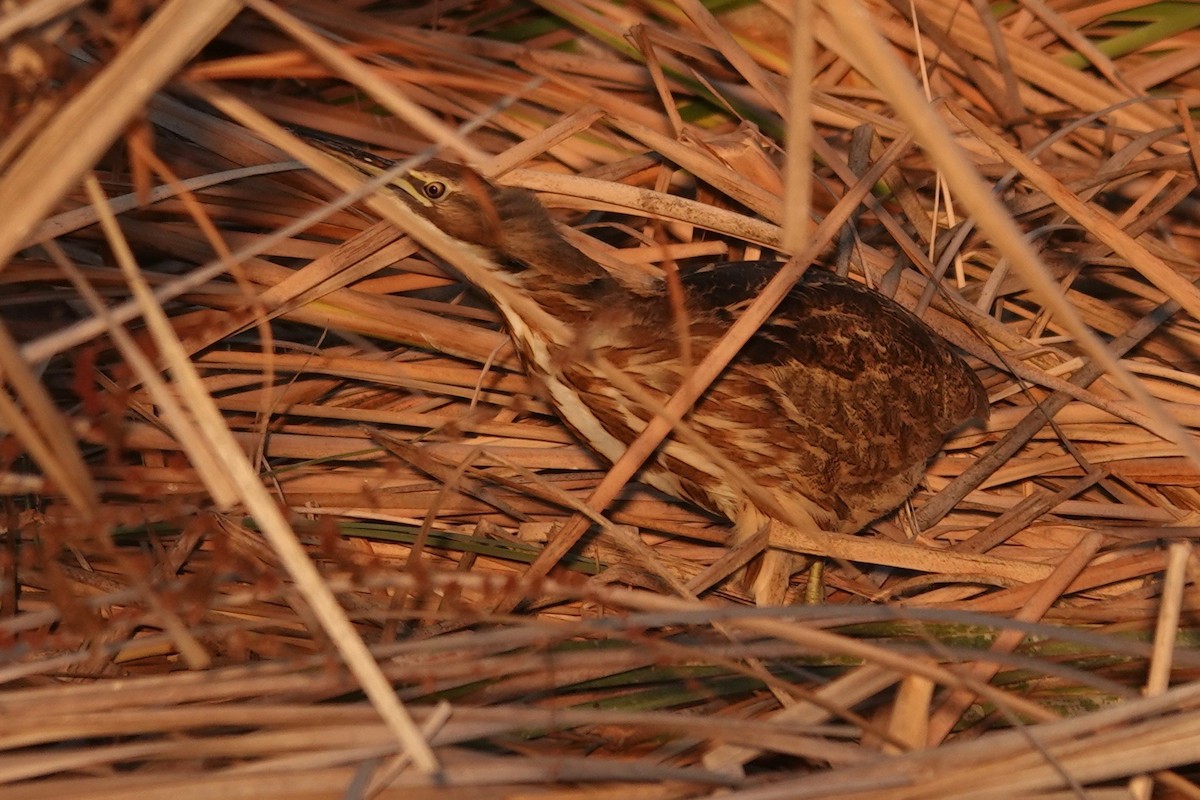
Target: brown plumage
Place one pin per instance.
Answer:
(833, 407)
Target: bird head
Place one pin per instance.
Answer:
(509, 224)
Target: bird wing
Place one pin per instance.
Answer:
(835, 331)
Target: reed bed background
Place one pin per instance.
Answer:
(266, 460)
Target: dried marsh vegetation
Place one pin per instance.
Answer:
(283, 518)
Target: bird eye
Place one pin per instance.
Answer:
(435, 190)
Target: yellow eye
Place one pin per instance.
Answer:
(435, 190)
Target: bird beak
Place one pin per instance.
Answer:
(369, 164)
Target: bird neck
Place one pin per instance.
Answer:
(549, 260)
(562, 280)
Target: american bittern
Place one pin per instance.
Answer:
(833, 407)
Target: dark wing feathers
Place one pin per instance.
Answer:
(850, 332)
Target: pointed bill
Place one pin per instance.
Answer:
(368, 164)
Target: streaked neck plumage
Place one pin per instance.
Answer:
(566, 283)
